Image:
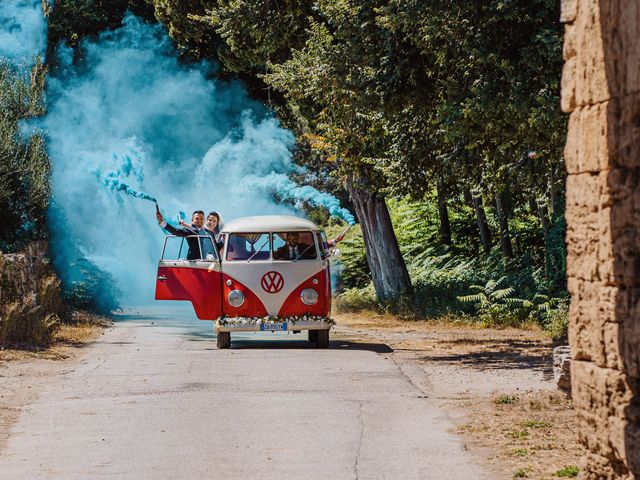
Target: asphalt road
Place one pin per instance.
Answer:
(155, 399)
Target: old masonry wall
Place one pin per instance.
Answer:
(601, 90)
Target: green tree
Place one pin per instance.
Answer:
(24, 163)
(334, 82)
(71, 20)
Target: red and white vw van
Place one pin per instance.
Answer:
(271, 275)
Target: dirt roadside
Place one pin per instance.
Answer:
(496, 385)
(24, 373)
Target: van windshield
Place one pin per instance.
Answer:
(248, 246)
(294, 246)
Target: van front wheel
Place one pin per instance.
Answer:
(322, 338)
(224, 339)
(313, 336)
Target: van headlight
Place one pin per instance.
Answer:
(309, 296)
(236, 298)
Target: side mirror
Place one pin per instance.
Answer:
(335, 252)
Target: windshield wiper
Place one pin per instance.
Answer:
(258, 250)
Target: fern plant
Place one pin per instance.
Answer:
(491, 294)
(495, 305)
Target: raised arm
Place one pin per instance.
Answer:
(178, 232)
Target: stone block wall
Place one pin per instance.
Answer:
(601, 90)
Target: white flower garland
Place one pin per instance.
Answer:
(245, 321)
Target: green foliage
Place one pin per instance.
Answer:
(24, 163)
(556, 322)
(256, 33)
(507, 400)
(570, 471)
(518, 434)
(522, 473)
(353, 263)
(72, 20)
(357, 299)
(402, 95)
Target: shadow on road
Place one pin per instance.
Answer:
(241, 344)
(515, 356)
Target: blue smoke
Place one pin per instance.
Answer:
(286, 189)
(132, 119)
(113, 180)
(23, 31)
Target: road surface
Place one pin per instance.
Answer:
(155, 399)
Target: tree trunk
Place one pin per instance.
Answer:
(388, 270)
(503, 221)
(555, 202)
(543, 213)
(483, 227)
(443, 213)
(466, 193)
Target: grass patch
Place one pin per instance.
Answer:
(569, 471)
(507, 400)
(518, 434)
(521, 452)
(535, 424)
(521, 473)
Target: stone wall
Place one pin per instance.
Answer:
(30, 299)
(601, 90)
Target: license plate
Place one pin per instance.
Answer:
(273, 327)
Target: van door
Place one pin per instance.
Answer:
(197, 280)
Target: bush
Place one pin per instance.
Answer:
(24, 324)
(357, 299)
(354, 267)
(557, 323)
(533, 287)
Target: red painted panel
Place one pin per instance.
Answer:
(201, 287)
(327, 288)
(252, 306)
(293, 305)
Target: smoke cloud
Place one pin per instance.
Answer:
(23, 30)
(130, 119)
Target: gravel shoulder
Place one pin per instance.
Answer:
(496, 386)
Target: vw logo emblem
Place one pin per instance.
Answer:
(272, 282)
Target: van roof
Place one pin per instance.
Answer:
(269, 223)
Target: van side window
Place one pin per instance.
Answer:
(294, 246)
(175, 248)
(322, 244)
(189, 248)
